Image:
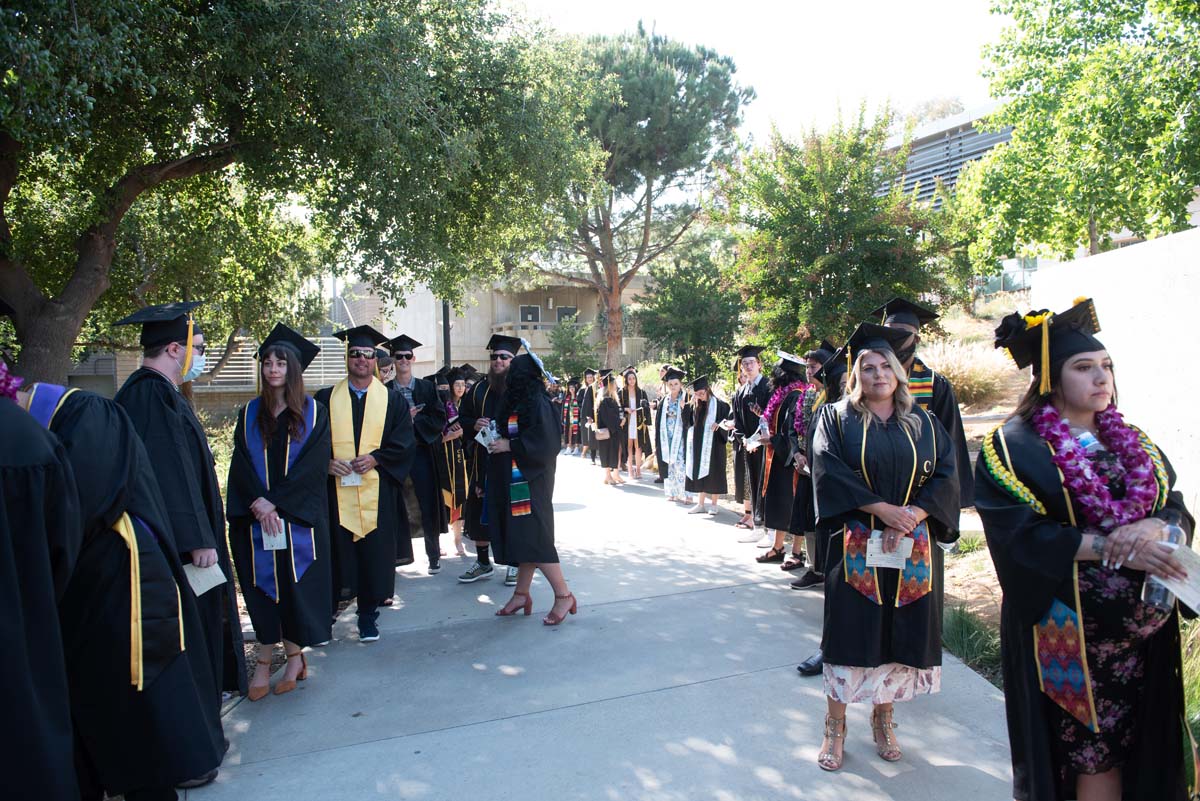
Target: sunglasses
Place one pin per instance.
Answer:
(198, 348)
(405, 356)
(501, 356)
(362, 354)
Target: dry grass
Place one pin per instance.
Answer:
(978, 372)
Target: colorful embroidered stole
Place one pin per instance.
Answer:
(358, 507)
(920, 384)
(302, 542)
(518, 488)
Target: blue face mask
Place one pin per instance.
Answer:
(194, 371)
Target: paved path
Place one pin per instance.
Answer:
(675, 682)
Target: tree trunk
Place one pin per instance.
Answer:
(48, 338)
(616, 325)
(1093, 236)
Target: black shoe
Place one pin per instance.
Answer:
(810, 579)
(435, 567)
(199, 781)
(658, 481)
(367, 630)
(813, 666)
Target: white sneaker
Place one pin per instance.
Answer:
(749, 536)
(696, 510)
(712, 511)
(767, 540)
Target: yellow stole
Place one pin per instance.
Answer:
(358, 507)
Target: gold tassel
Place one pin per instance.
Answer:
(187, 360)
(1044, 386)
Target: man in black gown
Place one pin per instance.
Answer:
(587, 413)
(182, 461)
(428, 419)
(749, 400)
(372, 435)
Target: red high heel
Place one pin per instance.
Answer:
(527, 607)
(553, 619)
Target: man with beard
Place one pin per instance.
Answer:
(479, 408)
(748, 403)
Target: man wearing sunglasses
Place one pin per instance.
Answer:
(428, 418)
(479, 408)
(372, 432)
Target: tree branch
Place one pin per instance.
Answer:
(575, 279)
(231, 343)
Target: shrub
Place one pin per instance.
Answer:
(977, 371)
(967, 636)
(970, 543)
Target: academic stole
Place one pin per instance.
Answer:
(301, 540)
(920, 384)
(710, 417)
(519, 500)
(44, 402)
(358, 507)
(452, 455)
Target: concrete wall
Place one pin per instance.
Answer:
(1146, 298)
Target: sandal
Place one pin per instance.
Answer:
(829, 759)
(886, 744)
(794, 561)
(257, 692)
(773, 555)
(509, 611)
(744, 522)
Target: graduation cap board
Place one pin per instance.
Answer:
(505, 343)
(361, 336)
(167, 323)
(282, 336)
(1046, 340)
(749, 351)
(833, 368)
(790, 363)
(699, 383)
(674, 374)
(402, 344)
(629, 368)
(869, 336)
(589, 371)
(899, 310)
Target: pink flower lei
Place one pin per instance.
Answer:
(777, 398)
(9, 383)
(1089, 491)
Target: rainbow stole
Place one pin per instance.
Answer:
(301, 542)
(920, 384)
(518, 489)
(916, 580)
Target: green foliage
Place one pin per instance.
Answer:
(974, 641)
(689, 309)
(970, 543)
(823, 245)
(571, 350)
(1190, 631)
(1101, 95)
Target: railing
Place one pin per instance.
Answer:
(327, 368)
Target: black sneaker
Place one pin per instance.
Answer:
(810, 579)
(435, 567)
(476, 572)
(367, 631)
(199, 781)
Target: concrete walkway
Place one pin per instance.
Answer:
(675, 682)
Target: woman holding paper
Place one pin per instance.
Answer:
(278, 512)
(886, 492)
(1075, 503)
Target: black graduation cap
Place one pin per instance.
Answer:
(282, 335)
(790, 363)
(629, 369)
(833, 368)
(698, 383)
(869, 336)
(899, 310)
(403, 343)
(674, 373)
(589, 371)
(501, 342)
(746, 351)
(1046, 340)
(361, 336)
(164, 323)
(573, 381)
(605, 372)
(468, 369)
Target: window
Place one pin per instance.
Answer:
(567, 312)
(531, 314)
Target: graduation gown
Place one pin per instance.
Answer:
(933, 393)
(716, 482)
(872, 618)
(804, 509)
(40, 537)
(366, 568)
(452, 468)
(280, 605)
(608, 415)
(183, 463)
(1034, 550)
(427, 431)
(745, 420)
(641, 420)
(523, 530)
(587, 414)
(780, 487)
(480, 401)
(169, 730)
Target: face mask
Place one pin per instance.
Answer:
(906, 353)
(195, 370)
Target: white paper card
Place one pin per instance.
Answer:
(895, 560)
(753, 442)
(1188, 592)
(274, 542)
(486, 436)
(352, 480)
(203, 579)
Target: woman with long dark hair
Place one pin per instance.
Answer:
(635, 439)
(520, 496)
(1076, 505)
(278, 511)
(453, 474)
(781, 462)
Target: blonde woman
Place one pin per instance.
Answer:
(884, 470)
(608, 430)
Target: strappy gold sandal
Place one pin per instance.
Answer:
(828, 760)
(886, 744)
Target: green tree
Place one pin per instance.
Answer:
(689, 309)
(665, 115)
(425, 137)
(1101, 95)
(571, 350)
(824, 245)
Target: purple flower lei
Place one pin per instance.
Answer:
(9, 383)
(1087, 489)
(777, 398)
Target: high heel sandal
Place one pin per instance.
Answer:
(828, 760)
(259, 692)
(881, 729)
(527, 607)
(553, 619)
(287, 685)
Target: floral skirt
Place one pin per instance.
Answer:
(1117, 627)
(885, 684)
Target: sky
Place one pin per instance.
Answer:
(807, 59)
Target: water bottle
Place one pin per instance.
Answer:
(1087, 440)
(1154, 592)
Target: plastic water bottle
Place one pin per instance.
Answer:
(1154, 592)
(1087, 440)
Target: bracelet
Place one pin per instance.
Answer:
(1098, 546)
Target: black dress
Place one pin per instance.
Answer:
(40, 535)
(694, 416)
(608, 416)
(1131, 661)
(779, 467)
(299, 610)
(872, 616)
(172, 718)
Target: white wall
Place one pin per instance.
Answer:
(1147, 299)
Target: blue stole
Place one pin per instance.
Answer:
(302, 545)
(44, 402)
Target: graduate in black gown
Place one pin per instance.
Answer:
(780, 472)
(452, 461)
(139, 675)
(173, 354)
(520, 497)
(881, 464)
(371, 432)
(277, 491)
(587, 414)
(608, 429)
(40, 536)
(707, 421)
(749, 401)
(804, 509)
(1075, 503)
(635, 436)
